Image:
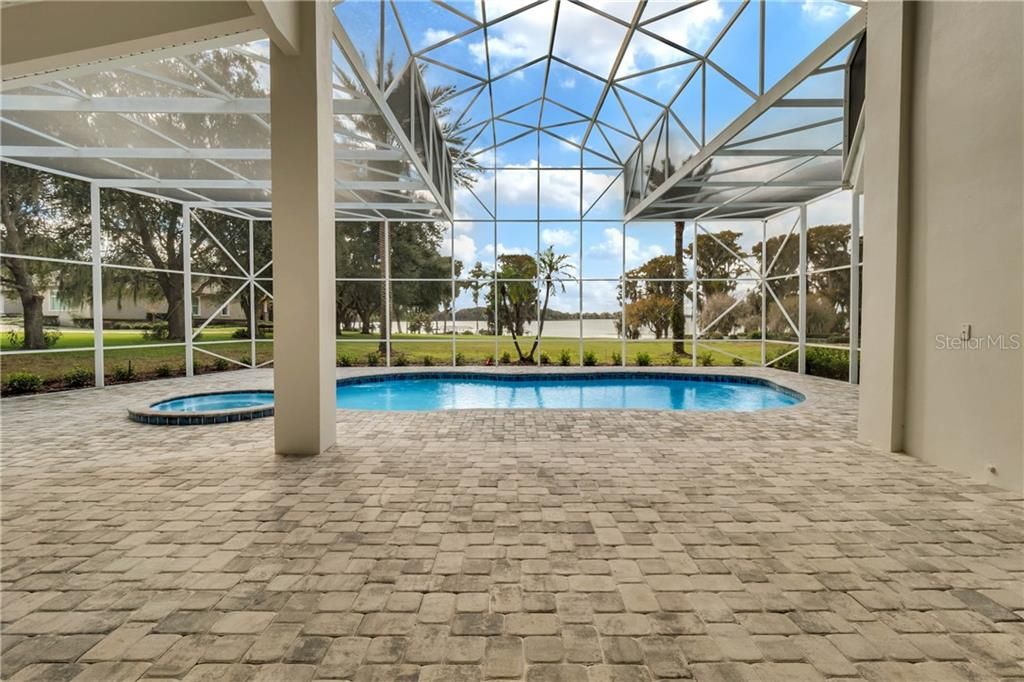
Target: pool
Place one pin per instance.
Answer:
(595, 391)
(432, 391)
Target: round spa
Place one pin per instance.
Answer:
(433, 391)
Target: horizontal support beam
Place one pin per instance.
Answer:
(162, 105)
(341, 205)
(56, 152)
(190, 183)
(785, 153)
(808, 102)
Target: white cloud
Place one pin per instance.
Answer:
(559, 188)
(824, 10)
(588, 39)
(600, 296)
(433, 36)
(611, 247)
(551, 237)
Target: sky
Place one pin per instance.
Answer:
(536, 175)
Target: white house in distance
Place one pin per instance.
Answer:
(60, 314)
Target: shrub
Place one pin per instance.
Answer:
(220, 364)
(156, 332)
(428, 360)
(399, 360)
(489, 360)
(754, 334)
(163, 371)
(831, 363)
(706, 360)
(506, 358)
(565, 358)
(738, 362)
(82, 322)
(460, 359)
(50, 338)
(616, 358)
(344, 360)
(78, 377)
(22, 382)
(675, 359)
(545, 359)
(590, 358)
(373, 359)
(240, 333)
(123, 372)
(467, 332)
(643, 359)
(246, 360)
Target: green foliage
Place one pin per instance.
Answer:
(240, 333)
(589, 358)
(467, 332)
(78, 377)
(705, 359)
(460, 359)
(22, 382)
(565, 358)
(506, 358)
(675, 359)
(373, 359)
(428, 360)
(123, 372)
(221, 365)
(246, 360)
(739, 362)
(831, 363)
(344, 360)
(163, 371)
(616, 358)
(545, 359)
(643, 359)
(399, 360)
(50, 337)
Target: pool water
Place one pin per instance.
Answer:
(561, 392)
(427, 392)
(216, 402)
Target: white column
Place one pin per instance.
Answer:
(386, 319)
(802, 323)
(252, 299)
(302, 170)
(97, 284)
(186, 266)
(764, 285)
(693, 298)
(854, 307)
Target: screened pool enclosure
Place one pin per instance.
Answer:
(552, 182)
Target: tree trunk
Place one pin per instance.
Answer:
(175, 309)
(32, 308)
(679, 295)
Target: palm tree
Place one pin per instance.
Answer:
(551, 268)
(477, 273)
(465, 168)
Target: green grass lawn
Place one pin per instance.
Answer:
(353, 349)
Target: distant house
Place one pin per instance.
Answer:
(59, 313)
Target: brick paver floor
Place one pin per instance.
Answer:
(545, 545)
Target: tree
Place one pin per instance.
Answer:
(43, 215)
(552, 269)
(519, 300)
(465, 168)
(143, 232)
(652, 297)
(478, 273)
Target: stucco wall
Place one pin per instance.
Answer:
(964, 242)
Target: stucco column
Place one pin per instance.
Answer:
(886, 224)
(302, 168)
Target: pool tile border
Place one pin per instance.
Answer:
(148, 415)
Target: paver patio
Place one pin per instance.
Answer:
(545, 545)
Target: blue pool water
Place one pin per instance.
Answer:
(410, 392)
(564, 392)
(215, 402)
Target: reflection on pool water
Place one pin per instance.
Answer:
(662, 392)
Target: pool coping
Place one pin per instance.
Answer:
(148, 415)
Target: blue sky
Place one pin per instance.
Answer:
(589, 41)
